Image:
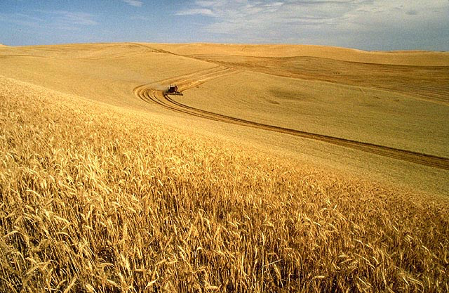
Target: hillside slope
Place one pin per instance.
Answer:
(101, 198)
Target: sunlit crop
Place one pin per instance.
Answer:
(94, 198)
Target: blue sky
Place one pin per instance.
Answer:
(362, 24)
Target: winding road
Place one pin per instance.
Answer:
(152, 93)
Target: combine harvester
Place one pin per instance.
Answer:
(173, 90)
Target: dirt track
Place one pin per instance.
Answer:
(154, 93)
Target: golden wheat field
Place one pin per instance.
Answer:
(282, 168)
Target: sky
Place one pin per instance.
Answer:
(361, 24)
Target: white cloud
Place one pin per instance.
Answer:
(51, 19)
(331, 22)
(73, 18)
(200, 11)
(21, 19)
(64, 17)
(136, 3)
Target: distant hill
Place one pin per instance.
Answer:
(417, 58)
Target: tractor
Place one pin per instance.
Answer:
(173, 90)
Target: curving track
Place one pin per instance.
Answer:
(151, 94)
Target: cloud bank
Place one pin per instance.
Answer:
(363, 24)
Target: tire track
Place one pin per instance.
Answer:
(191, 77)
(150, 94)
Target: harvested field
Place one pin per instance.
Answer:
(150, 94)
(270, 173)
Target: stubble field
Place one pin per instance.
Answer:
(280, 169)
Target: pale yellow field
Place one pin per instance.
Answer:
(362, 114)
(281, 168)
